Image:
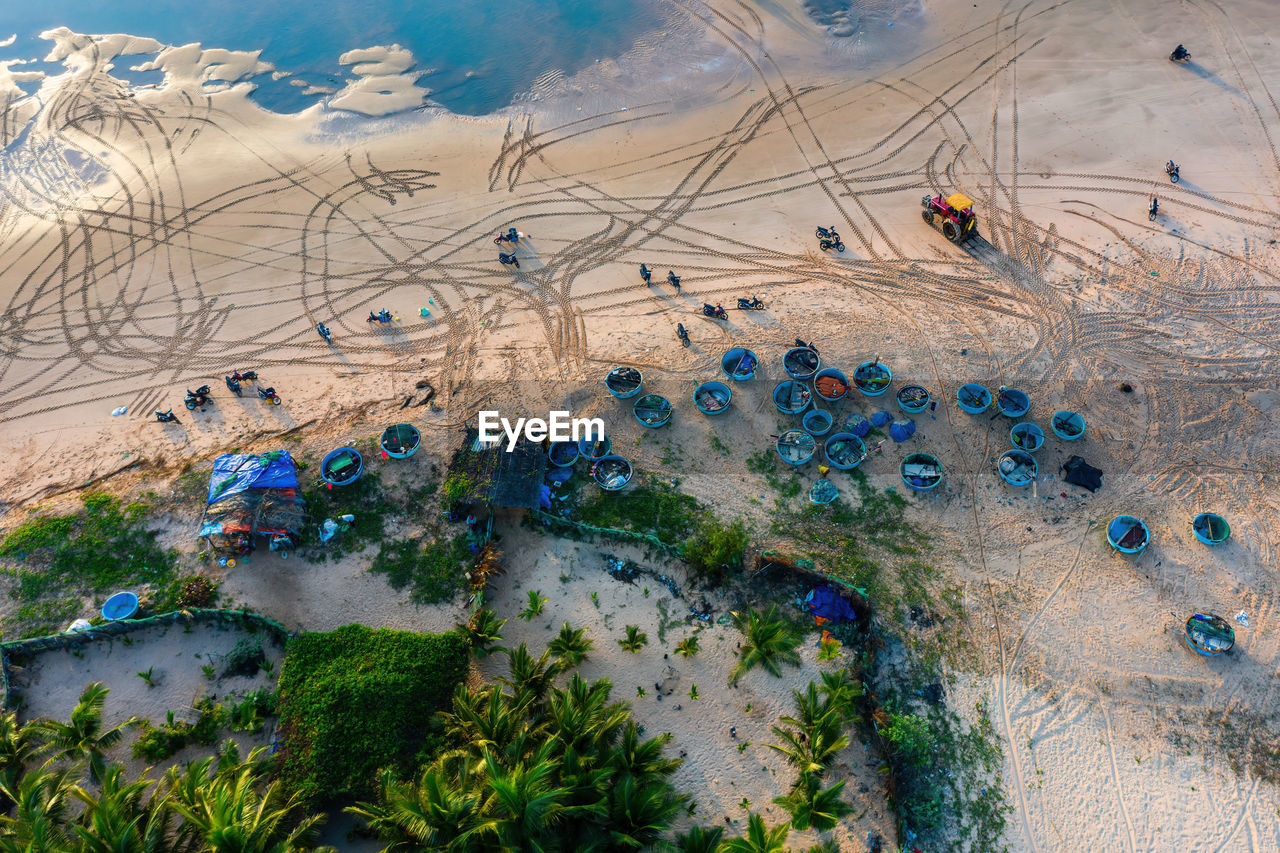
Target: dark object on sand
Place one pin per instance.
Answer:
(1081, 473)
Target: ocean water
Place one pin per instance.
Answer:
(475, 57)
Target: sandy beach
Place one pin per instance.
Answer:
(157, 239)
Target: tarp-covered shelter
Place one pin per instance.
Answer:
(251, 495)
(498, 477)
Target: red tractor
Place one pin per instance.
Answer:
(958, 220)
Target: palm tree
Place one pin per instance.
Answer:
(811, 750)
(759, 838)
(700, 839)
(688, 647)
(641, 810)
(121, 819)
(224, 811)
(530, 676)
(82, 738)
(582, 719)
(635, 639)
(483, 630)
(488, 720)
(19, 743)
(809, 805)
(771, 641)
(41, 806)
(527, 803)
(841, 692)
(436, 813)
(571, 646)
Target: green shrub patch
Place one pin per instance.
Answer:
(356, 700)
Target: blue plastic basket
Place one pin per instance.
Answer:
(916, 472)
(973, 399)
(799, 444)
(913, 398)
(1026, 436)
(739, 364)
(844, 450)
(122, 605)
(1067, 425)
(712, 392)
(1119, 534)
(872, 378)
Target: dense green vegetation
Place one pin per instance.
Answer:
(654, 507)
(101, 548)
(716, 549)
(357, 700)
(432, 571)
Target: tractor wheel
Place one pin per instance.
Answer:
(951, 231)
(927, 216)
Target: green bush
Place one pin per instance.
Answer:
(456, 488)
(155, 745)
(911, 738)
(356, 700)
(196, 591)
(716, 548)
(433, 573)
(245, 659)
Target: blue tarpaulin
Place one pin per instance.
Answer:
(239, 472)
(544, 496)
(826, 602)
(901, 430)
